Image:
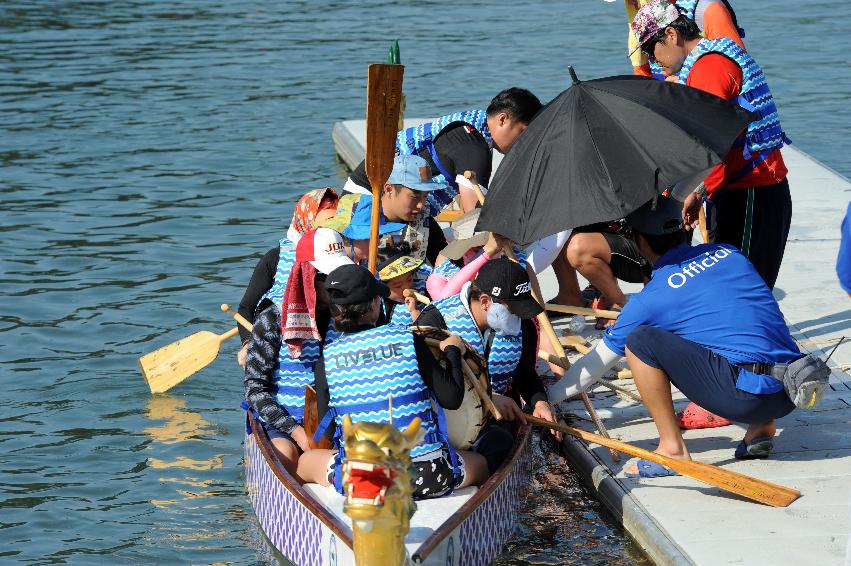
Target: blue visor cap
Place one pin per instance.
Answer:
(359, 227)
(413, 172)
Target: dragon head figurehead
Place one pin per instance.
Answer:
(379, 493)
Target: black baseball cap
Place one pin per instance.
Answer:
(507, 282)
(657, 217)
(350, 284)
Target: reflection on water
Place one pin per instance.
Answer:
(180, 425)
(151, 152)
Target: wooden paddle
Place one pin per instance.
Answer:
(420, 298)
(450, 215)
(166, 367)
(734, 482)
(544, 320)
(383, 103)
(311, 420)
(311, 417)
(582, 311)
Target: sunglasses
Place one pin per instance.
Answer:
(649, 48)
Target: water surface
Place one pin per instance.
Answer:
(152, 151)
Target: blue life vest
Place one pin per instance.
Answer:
(503, 357)
(505, 350)
(458, 321)
(401, 316)
(415, 139)
(292, 375)
(286, 260)
(366, 369)
(763, 135)
(446, 269)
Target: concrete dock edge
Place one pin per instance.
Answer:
(643, 529)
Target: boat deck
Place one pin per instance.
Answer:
(677, 520)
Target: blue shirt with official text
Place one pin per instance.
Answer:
(711, 295)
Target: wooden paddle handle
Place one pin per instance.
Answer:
(746, 486)
(311, 420)
(546, 325)
(238, 317)
(474, 381)
(471, 176)
(420, 298)
(600, 313)
(547, 357)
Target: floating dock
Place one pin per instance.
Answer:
(677, 520)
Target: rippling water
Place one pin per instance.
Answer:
(152, 151)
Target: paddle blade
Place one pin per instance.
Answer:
(734, 482)
(168, 366)
(383, 104)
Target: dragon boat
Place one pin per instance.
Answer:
(307, 523)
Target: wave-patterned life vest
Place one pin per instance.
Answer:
(503, 357)
(412, 140)
(286, 260)
(401, 316)
(765, 134)
(458, 321)
(292, 375)
(505, 350)
(364, 370)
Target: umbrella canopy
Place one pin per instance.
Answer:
(601, 149)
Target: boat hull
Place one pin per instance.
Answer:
(308, 533)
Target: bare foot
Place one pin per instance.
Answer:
(757, 430)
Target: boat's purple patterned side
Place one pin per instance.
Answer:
(290, 526)
(485, 532)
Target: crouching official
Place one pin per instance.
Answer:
(707, 323)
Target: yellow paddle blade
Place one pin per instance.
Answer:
(168, 366)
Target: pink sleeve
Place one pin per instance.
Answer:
(452, 286)
(435, 284)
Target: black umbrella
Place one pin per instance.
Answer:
(601, 149)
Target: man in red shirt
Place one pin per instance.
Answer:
(749, 192)
(714, 18)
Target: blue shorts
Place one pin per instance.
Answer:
(705, 377)
(274, 433)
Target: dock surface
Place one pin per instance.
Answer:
(677, 520)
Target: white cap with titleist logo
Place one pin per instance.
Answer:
(324, 249)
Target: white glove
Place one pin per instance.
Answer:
(581, 375)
